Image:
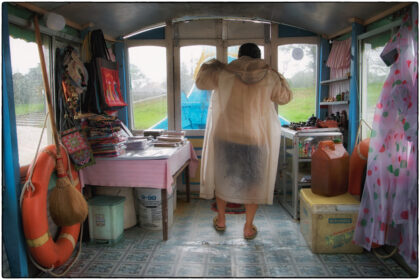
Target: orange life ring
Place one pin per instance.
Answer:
(44, 250)
(358, 161)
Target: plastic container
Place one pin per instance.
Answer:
(106, 223)
(149, 205)
(328, 223)
(330, 169)
(130, 218)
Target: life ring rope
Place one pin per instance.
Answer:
(37, 242)
(28, 182)
(359, 129)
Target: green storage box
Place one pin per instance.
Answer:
(106, 219)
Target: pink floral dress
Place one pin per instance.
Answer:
(388, 210)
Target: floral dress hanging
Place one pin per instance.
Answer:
(388, 210)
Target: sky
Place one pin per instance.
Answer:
(24, 55)
(288, 66)
(150, 59)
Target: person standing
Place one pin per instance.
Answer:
(242, 136)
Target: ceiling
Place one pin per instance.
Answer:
(118, 19)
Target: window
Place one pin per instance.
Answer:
(298, 64)
(147, 66)
(373, 75)
(194, 102)
(29, 97)
(233, 52)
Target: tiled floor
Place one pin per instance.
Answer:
(195, 249)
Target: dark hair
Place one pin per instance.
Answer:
(249, 49)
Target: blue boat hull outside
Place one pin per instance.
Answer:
(194, 108)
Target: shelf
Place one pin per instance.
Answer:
(300, 176)
(291, 164)
(301, 159)
(334, 103)
(289, 151)
(314, 132)
(326, 82)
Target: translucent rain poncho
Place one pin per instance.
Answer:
(389, 207)
(242, 137)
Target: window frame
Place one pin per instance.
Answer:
(174, 40)
(47, 43)
(50, 40)
(143, 43)
(315, 40)
(362, 74)
(177, 88)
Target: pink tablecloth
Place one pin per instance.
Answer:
(137, 170)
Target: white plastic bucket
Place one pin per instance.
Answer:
(149, 205)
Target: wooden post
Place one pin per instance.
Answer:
(187, 181)
(164, 199)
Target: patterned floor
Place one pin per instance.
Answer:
(195, 249)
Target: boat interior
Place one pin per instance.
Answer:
(136, 160)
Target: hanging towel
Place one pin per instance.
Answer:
(340, 54)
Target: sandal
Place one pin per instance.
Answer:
(252, 236)
(216, 227)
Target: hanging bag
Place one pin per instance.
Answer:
(103, 94)
(78, 147)
(71, 79)
(109, 85)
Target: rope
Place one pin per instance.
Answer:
(360, 126)
(28, 184)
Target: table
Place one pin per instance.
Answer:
(155, 167)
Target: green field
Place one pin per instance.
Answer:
(148, 113)
(374, 90)
(22, 109)
(303, 104)
(301, 107)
